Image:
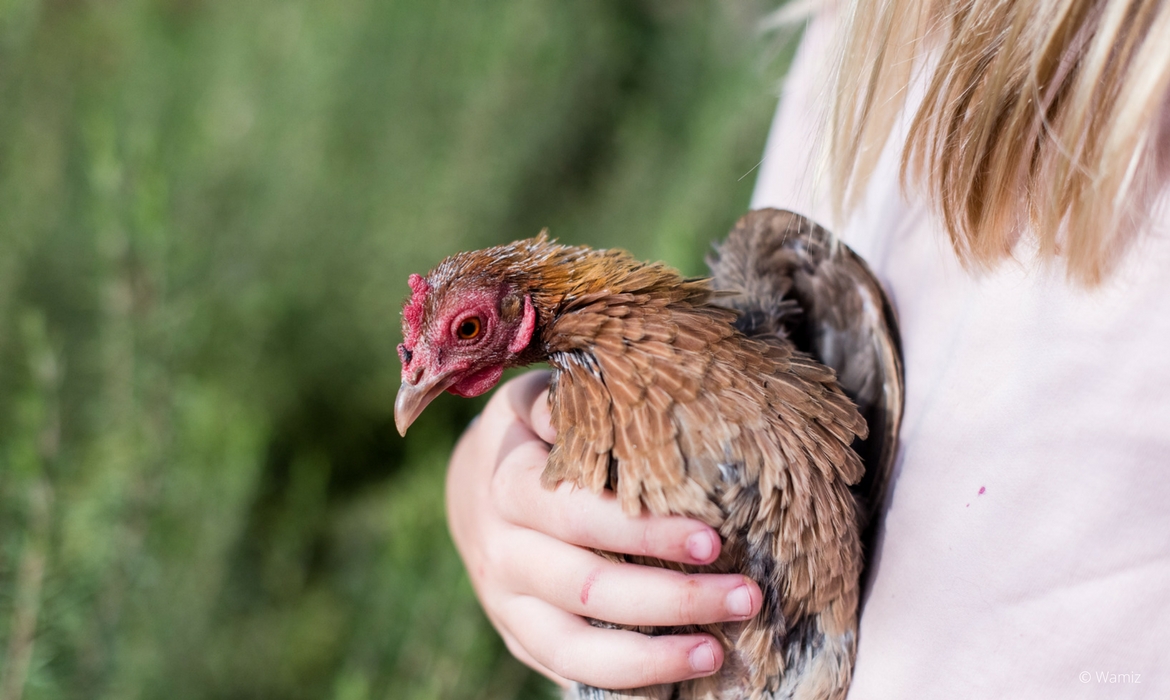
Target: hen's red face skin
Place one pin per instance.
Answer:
(459, 340)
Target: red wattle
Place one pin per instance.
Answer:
(478, 383)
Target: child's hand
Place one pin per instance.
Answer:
(526, 549)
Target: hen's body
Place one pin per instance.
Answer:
(682, 406)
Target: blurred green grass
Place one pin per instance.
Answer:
(208, 210)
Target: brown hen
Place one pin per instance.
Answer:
(688, 401)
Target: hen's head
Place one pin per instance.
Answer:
(461, 329)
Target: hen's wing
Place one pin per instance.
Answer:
(793, 279)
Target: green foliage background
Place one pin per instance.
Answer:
(208, 209)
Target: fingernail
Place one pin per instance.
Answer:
(700, 546)
(702, 658)
(739, 602)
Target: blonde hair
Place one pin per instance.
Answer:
(1039, 115)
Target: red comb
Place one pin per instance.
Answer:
(413, 311)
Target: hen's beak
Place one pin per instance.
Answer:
(413, 397)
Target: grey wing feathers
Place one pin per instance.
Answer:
(792, 279)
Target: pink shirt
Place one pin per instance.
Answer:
(1026, 546)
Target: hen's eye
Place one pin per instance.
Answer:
(468, 329)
